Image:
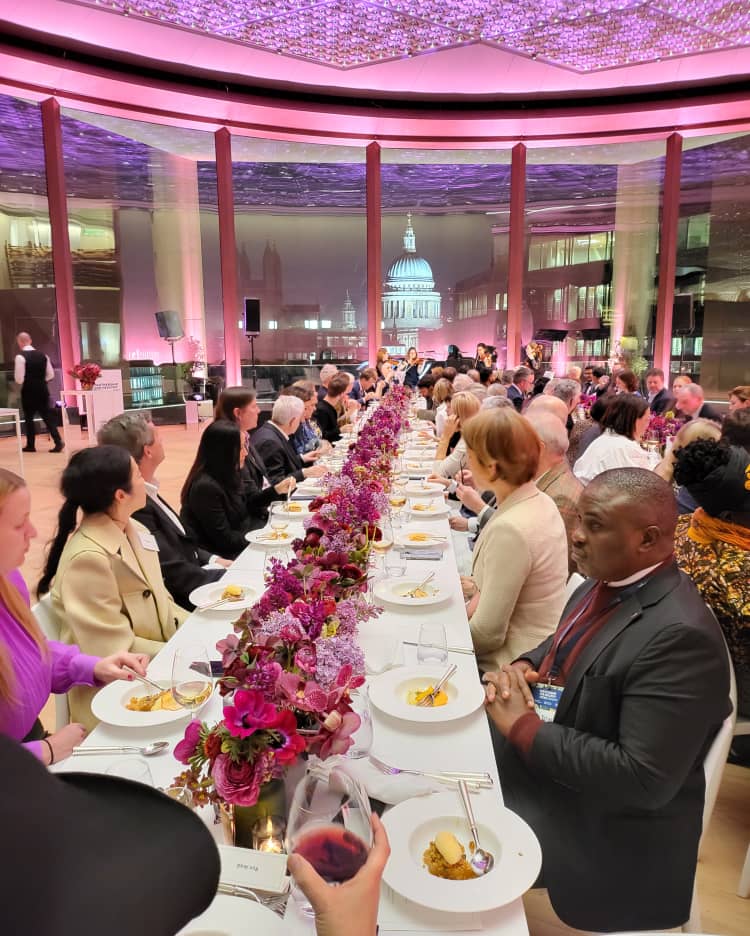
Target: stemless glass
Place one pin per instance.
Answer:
(329, 825)
(363, 735)
(191, 676)
(281, 555)
(433, 643)
(395, 563)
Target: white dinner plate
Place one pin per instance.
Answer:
(393, 591)
(427, 509)
(267, 540)
(422, 443)
(235, 916)
(208, 594)
(421, 454)
(313, 489)
(414, 823)
(416, 469)
(295, 510)
(421, 539)
(424, 489)
(388, 692)
(108, 705)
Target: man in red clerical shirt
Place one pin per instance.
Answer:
(601, 731)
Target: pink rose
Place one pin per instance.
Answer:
(239, 783)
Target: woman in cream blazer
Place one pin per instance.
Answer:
(517, 586)
(107, 586)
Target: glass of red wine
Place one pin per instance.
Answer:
(329, 825)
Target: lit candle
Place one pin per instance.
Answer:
(268, 834)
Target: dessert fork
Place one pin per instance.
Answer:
(474, 779)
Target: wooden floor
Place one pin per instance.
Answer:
(724, 849)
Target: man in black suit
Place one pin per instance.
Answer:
(660, 400)
(523, 382)
(180, 558)
(607, 768)
(32, 372)
(692, 404)
(272, 443)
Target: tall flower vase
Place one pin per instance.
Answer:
(271, 802)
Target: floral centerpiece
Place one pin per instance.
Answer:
(88, 373)
(293, 658)
(663, 428)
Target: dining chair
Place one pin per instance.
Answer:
(50, 625)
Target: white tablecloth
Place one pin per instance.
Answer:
(463, 744)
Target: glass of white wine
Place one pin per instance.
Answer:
(279, 521)
(191, 676)
(382, 545)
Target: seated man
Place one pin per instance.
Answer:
(180, 557)
(327, 413)
(272, 442)
(631, 689)
(367, 388)
(691, 404)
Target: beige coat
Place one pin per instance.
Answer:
(109, 599)
(520, 567)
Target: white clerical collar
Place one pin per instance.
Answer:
(637, 576)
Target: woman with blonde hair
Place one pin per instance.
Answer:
(690, 432)
(450, 455)
(441, 398)
(520, 565)
(30, 666)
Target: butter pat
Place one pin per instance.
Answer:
(449, 847)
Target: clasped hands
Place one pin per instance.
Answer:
(507, 694)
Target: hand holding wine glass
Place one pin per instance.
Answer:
(191, 676)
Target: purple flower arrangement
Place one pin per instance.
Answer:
(293, 658)
(663, 427)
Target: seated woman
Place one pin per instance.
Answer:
(239, 405)
(623, 424)
(441, 398)
(713, 545)
(520, 564)
(450, 455)
(690, 432)
(213, 497)
(627, 382)
(107, 587)
(30, 666)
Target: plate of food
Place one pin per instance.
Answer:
(421, 539)
(430, 839)
(398, 691)
(235, 916)
(223, 597)
(410, 593)
(271, 539)
(424, 489)
(429, 508)
(296, 510)
(134, 705)
(420, 455)
(417, 469)
(422, 443)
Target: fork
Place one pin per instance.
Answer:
(429, 699)
(412, 591)
(275, 902)
(475, 779)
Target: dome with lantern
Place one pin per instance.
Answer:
(409, 298)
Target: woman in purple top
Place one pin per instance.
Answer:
(30, 666)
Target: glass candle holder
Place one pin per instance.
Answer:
(268, 834)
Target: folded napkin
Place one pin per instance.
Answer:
(386, 788)
(422, 554)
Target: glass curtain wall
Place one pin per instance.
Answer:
(27, 291)
(592, 234)
(301, 232)
(137, 196)
(711, 318)
(445, 250)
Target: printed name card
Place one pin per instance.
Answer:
(262, 871)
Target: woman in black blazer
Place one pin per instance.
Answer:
(213, 504)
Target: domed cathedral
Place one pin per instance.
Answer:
(410, 302)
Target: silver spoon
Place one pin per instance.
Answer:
(482, 862)
(156, 747)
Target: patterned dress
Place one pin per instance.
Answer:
(721, 573)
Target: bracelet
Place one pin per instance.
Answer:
(51, 752)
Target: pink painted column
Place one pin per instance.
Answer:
(670, 216)
(62, 264)
(516, 253)
(374, 253)
(228, 257)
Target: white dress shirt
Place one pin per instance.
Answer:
(610, 450)
(19, 371)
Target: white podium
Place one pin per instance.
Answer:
(99, 405)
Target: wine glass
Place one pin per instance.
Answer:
(329, 825)
(279, 520)
(382, 545)
(432, 646)
(191, 676)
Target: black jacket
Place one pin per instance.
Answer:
(614, 787)
(662, 402)
(216, 518)
(180, 556)
(328, 421)
(277, 453)
(257, 498)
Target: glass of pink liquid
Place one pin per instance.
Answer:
(329, 825)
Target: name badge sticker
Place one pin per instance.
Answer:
(546, 700)
(148, 541)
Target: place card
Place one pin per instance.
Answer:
(261, 871)
(396, 914)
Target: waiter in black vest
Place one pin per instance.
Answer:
(33, 372)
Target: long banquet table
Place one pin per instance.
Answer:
(460, 745)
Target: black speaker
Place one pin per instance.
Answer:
(682, 313)
(252, 316)
(169, 325)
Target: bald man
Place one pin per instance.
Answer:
(601, 731)
(544, 403)
(32, 372)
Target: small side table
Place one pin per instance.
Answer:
(88, 397)
(16, 415)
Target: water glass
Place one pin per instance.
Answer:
(280, 555)
(132, 768)
(433, 643)
(363, 735)
(395, 564)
